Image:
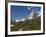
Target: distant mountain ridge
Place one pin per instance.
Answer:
(34, 24)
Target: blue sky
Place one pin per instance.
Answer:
(19, 12)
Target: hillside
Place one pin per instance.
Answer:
(34, 24)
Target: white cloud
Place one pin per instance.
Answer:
(17, 20)
(31, 14)
(30, 18)
(28, 8)
(20, 20)
(23, 19)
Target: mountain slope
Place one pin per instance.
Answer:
(34, 24)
